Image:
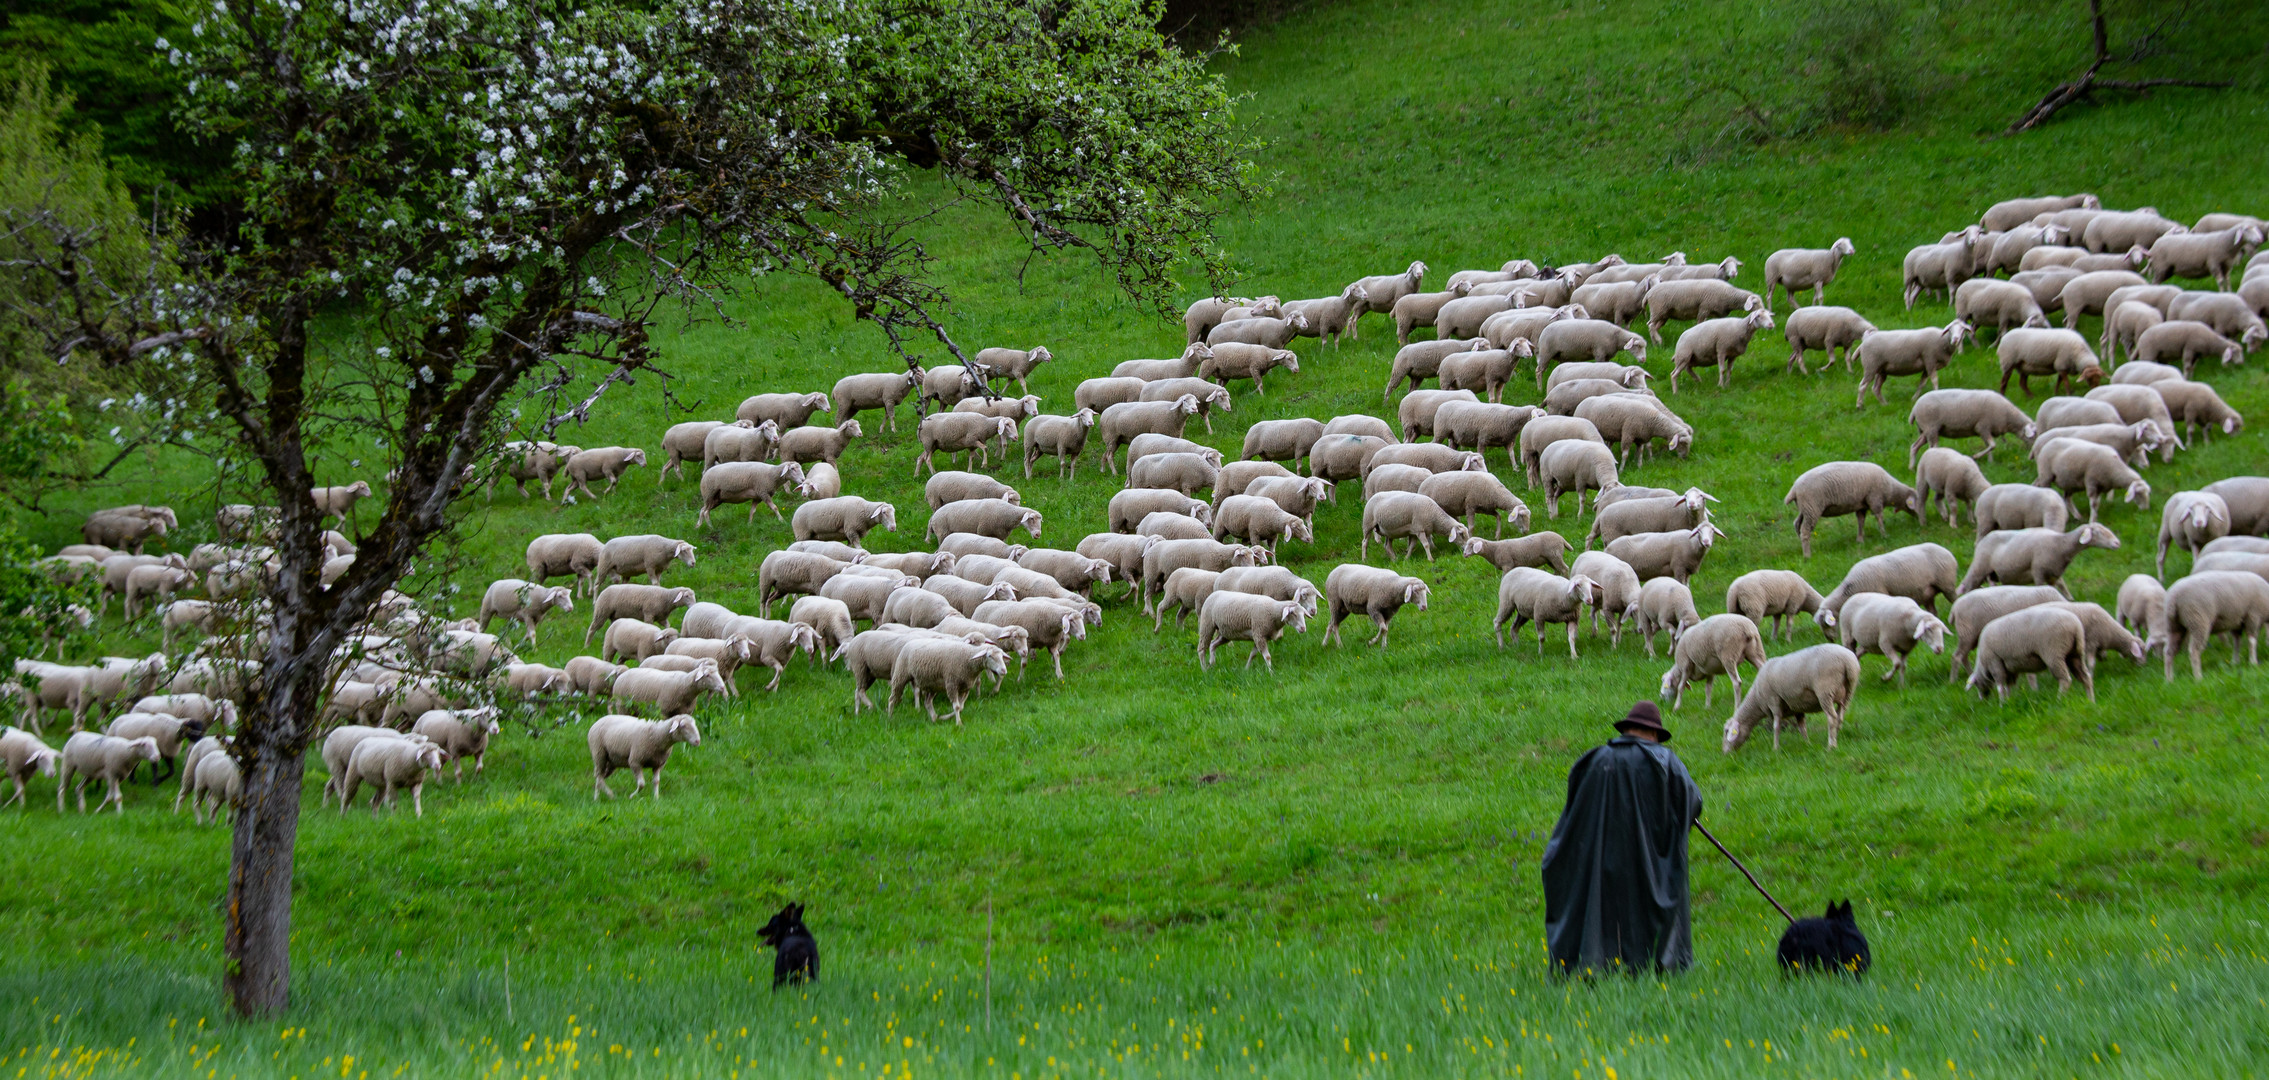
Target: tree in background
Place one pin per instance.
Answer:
(460, 220)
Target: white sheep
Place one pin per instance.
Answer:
(556, 554)
(1298, 495)
(1590, 340)
(1654, 513)
(1716, 343)
(642, 746)
(2191, 519)
(1121, 423)
(1860, 488)
(1129, 506)
(2198, 408)
(1201, 317)
(751, 482)
(1238, 616)
(1545, 549)
(1666, 605)
(1406, 515)
(1575, 465)
(22, 754)
(641, 553)
(1352, 588)
(2019, 506)
(1185, 591)
(2142, 607)
(847, 518)
(1479, 425)
(1416, 415)
(524, 601)
(2208, 603)
(1818, 679)
(1274, 333)
(2010, 213)
(101, 757)
(945, 667)
(1340, 458)
(2035, 639)
(1798, 269)
(806, 445)
(1526, 594)
(2232, 315)
(650, 603)
(1962, 414)
(2248, 500)
(2076, 467)
(739, 441)
(670, 692)
(1715, 646)
(1255, 520)
(2181, 342)
(1177, 471)
(883, 390)
(1892, 626)
(1045, 625)
(1674, 554)
(981, 517)
(1064, 437)
(1942, 267)
(1466, 494)
(1230, 361)
(2124, 322)
(461, 734)
(1331, 316)
(2088, 291)
(1629, 420)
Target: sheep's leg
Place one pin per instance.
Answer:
(1056, 654)
(1571, 640)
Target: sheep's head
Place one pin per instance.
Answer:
(1473, 545)
(1730, 267)
(885, 515)
(1187, 404)
(2253, 338)
(681, 597)
(1636, 346)
(634, 457)
(682, 729)
(1299, 530)
(2139, 494)
(1461, 289)
(1842, 246)
(1570, 311)
(1675, 258)
(1682, 441)
(1030, 521)
(2098, 536)
(1468, 461)
(1760, 319)
(1521, 348)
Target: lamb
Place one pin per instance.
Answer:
(1617, 600)
(1919, 572)
(1629, 420)
(1798, 269)
(846, 517)
(2197, 407)
(1297, 495)
(1016, 364)
(751, 482)
(1960, 414)
(1540, 433)
(2038, 556)
(641, 553)
(1382, 292)
(1340, 458)
(2010, 213)
(981, 517)
(1274, 333)
(1675, 555)
(1414, 310)
(2192, 519)
(2186, 340)
(1250, 617)
(527, 602)
(883, 390)
(1181, 367)
(1849, 487)
(2036, 639)
(1716, 343)
(21, 755)
(1477, 426)
(1785, 689)
(2072, 467)
(669, 692)
(1332, 316)
(1064, 437)
(2231, 315)
(1526, 595)
(1658, 513)
(2120, 230)
(806, 445)
(650, 603)
(1130, 505)
(1352, 588)
(2086, 293)
(1201, 317)
(2018, 506)
(1271, 581)
(618, 742)
(634, 639)
(101, 757)
(1715, 646)
(461, 734)
(943, 666)
(1178, 471)
(1231, 361)
(1422, 361)
(2204, 254)
(2026, 352)
(2248, 501)
(1466, 494)
(1418, 411)
(2200, 606)
(1166, 556)
(2142, 606)
(792, 573)
(1401, 514)
(1593, 340)
(1666, 605)
(1122, 422)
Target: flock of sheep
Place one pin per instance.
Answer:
(419, 691)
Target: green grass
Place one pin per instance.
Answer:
(1345, 850)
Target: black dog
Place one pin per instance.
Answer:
(796, 952)
(1829, 943)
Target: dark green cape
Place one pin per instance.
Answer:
(1615, 896)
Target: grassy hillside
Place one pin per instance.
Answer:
(1332, 868)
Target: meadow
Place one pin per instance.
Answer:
(1330, 870)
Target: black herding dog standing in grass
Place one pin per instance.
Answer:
(795, 952)
(1829, 943)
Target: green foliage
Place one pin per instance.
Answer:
(1863, 61)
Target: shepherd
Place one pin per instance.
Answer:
(1615, 885)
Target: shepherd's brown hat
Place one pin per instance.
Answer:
(1644, 717)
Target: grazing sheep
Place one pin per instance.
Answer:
(1231, 361)
(2202, 605)
(212, 780)
(1255, 519)
(1395, 477)
(1070, 570)
(2248, 500)
(1657, 513)
(123, 527)
(1675, 555)
(821, 481)
(926, 607)
(2142, 607)
(1201, 317)
(1849, 487)
(2102, 631)
(1541, 549)
(100, 757)
(784, 410)
(946, 667)
(1274, 333)
(2019, 506)
(1818, 679)
(1961, 414)
(1695, 299)
(634, 639)
(740, 441)
(1666, 606)
(1331, 316)
(527, 602)
(669, 692)
(2087, 293)
(1636, 420)
(1166, 556)
(980, 517)
(1892, 626)
(1238, 616)
(1210, 395)
(1716, 343)
(1351, 588)
(2010, 213)
(1400, 514)
(1182, 367)
(389, 765)
(2123, 324)
(1542, 432)
(2197, 407)
(1044, 625)
(1422, 361)
(1953, 477)
(2191, 519)
(1526, 594)
(1511, 329)
(1798, 269)
(2187, 341)
(865, 594)
(627, 742)
(2251, 545)
(806, 445)
(1975, 609)
(746, 640)
(1096, 395)
(642, 553)
(1340, 458)
(883, 390)
(960, 432)
(1130, 505)
(650, 603)
(2119, 230)
(461, 734)
(1347, 424)
(948, 383)
(158, 581)
(1271, 581)
(1919, 572)
(1617, 598)
(2252, 562)
(2074, 467)
(1715, 646)
(1432, 457)
(532, 681)
(1564, 394)
(1015, 410)
(1122, 422)
(2026, 352)
(1296, 494)
(1485, 371)
(1592, 340)
(1462, 317)
(1419, 410)
(847, 518)
(751, 482)
(1064, 437)
(171, 733)
(2001, 305)
(2059, 412)
(2035, 639)
(1477, 426)
(1016, 364)
(1178, 471)
(1466, 494)
(2230, 314)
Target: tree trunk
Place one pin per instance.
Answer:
(258, 935)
